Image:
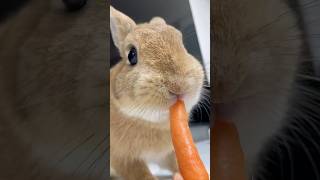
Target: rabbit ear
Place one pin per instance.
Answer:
(157, 20)
(120, 26)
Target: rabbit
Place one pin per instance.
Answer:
(155, 69)
(257, 46)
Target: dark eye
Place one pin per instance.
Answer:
(132, 56)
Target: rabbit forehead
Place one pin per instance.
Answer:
(157, 44)
(156, 36)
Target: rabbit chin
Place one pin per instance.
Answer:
(157, 114)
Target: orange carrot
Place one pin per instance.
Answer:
(190, 164)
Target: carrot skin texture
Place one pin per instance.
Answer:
(190, 164)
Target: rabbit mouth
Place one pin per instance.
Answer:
(157, 113)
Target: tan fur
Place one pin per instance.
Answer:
(140, 95)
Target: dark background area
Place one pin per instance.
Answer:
(10, 7)
(53, 98)
(294, 153)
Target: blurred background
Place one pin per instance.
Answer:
(53, 107)
(294, 154)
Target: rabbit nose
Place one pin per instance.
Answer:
(172, 93)
(176, 89)
(176, 85)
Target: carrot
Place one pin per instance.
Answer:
(228, 158)
(190, 164)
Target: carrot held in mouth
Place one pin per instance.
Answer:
(190, 164)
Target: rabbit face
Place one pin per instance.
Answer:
(155, 70)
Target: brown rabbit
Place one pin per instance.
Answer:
(155, 69)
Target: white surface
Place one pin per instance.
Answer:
(201, 15)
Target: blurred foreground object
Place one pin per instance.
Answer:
(228, 158)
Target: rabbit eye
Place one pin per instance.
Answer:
(132, 56)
